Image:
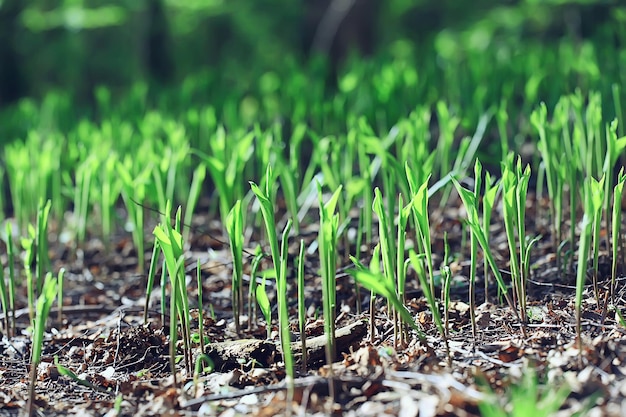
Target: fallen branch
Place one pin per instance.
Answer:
(235, 353)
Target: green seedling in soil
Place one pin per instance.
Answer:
(264, 305)
(226, 165)
(617, 104)
(614, 148)
(2, 202)
(254, 267)
(312, 170)
(474, 249)
(234, 227)
(264, 151)
(374, 280)
(110, 189)
(551, 154)
(514, 189)
(195, 190)
(367, 196)
(620, 317)
(382, 164)
(201, 338)
(331, 149)
(402, 261)
(42, 258)
(447, 125)
(355, 188)
(583, 252)
(171, 245)
(465, 155)
(616, 222)
(133, 192)
(596, 153)
(295, 152)
(279, 258)
(502, 119)
(417, 261)
(28, 245)
(471, 207)
(163, 302)
(44, 303)
(29, 185)
(204, 363)
(416, 138)
(526, 398)
(301, 305)
(6, 303)
(445, 299)
(117, 404)
(65, 371)
(374, 266)
(327, 240)
(283, 311)
(444, 146)
(492, 189)
(572, 179)
(597, 196)
(387, 248)
(287, 179)
(84, 174)
(419, 206)
(171, 160)
(154, 259)
(393, 253)
(11, 288)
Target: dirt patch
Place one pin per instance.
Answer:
(101, 336)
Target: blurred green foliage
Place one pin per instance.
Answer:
(257, 55)
(75, 45)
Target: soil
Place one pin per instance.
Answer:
(123, 364)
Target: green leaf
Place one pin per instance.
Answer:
(377, 283)
(264, 302)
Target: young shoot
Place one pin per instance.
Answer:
(327, 240)
(583, 253)
(616, 222)
(279, 258)
(171, 244)
(234, 226)
(44, 303)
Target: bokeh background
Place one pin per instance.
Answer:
(74, 46)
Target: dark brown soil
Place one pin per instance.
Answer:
(101, 336)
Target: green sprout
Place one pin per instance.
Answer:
(44, 303)
(235, 226)
(327, 238)
(616, 219)
(279, 258)
(301, 305)
(526, 398)
(583, 253)
(171, 244)
(514, 189)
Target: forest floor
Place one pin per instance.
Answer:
(101, 336)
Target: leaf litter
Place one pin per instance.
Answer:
(122, 366)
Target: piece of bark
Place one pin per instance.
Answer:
(346, 337)
(254, 352)
(246, 353)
